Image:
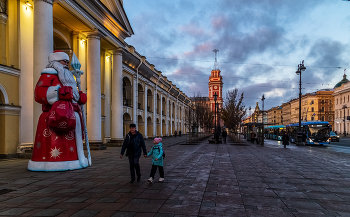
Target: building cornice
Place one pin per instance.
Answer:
(10, 110)
(10, 71)
(110, 36)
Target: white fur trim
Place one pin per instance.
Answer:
(52, 94)
(79, 142)
(53, 166)
(50, 71)
(57, 56)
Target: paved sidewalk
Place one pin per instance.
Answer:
(200, 180)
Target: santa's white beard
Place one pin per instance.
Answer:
(65, 77)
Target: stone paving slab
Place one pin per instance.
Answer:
(200, 180)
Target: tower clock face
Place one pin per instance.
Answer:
(215, 87)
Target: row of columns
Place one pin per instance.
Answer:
(43, 46)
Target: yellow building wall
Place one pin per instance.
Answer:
(11, 85)
(12, 49)
(9, 135)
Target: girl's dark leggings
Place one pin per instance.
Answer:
(154, 169)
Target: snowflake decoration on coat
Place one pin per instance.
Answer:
(71, 149)
(55, 152)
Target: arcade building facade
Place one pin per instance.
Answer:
(121, 85)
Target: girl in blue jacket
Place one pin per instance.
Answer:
(157, 160)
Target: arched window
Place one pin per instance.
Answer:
(3, 96)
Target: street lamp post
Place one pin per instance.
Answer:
(344, 107)
(263, 130)
(215, 98)
(301, 68)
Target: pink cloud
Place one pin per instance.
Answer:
(192, 30)
(205, 47)
(219, 22)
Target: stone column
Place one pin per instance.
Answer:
(135, 101)
(3, 20)
(155, 111)
(171, 118)
(160, 114)
(26, 91)
(146, 112)
(117, 99)
(107, 92)
(176, 121)
(94, 90)
(43, 45)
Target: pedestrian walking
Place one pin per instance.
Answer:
(133, 144)
(252, 137)
(224, 135)
(180, 133)
(175, 133)
(157, 160)
(285, 139)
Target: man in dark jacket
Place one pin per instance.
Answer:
(285, 139)
(224, 135)
(133, 143)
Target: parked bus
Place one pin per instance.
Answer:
(275, 132)
(314, 132)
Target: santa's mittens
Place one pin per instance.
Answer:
(82, 99)
(65, 93)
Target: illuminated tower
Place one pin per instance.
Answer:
(215, 86)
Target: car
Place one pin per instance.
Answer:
(333, 137)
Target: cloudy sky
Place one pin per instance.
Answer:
(260, 43)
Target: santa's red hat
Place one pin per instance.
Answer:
(58, 56)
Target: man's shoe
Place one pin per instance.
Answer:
(138, 178)
(150, 179)
(132, 181)
(161, 180)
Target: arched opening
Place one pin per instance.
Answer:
(141, 97)
(169, 108)
(158, 104)
(163, 127)
(180, 112)
(149, 101)
(140, 125)
(169, 133)
(127, 92)
(60, 42)
(173, 126)
(164, 107)
(158, 128)
(3, 96)
(149, 127)
(173, 114)
(126, 123)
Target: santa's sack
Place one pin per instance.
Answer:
(61, 117)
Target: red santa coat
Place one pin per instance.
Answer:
(53, 151)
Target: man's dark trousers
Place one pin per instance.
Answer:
(134, 165)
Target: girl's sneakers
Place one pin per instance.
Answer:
(161, 180)
(150, 179)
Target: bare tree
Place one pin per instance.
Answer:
(204, 116)
(233, 110)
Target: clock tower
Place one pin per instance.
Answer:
(215, 86)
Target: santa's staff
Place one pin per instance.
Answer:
(77, 73)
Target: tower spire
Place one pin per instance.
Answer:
(216, 65)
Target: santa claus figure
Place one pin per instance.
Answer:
(56, 150)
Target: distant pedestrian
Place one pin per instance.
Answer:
(175, 133)
(285, 139)
(224, 135)
(157, 160)
(133, 144)
(252, 137)
(180, 133)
